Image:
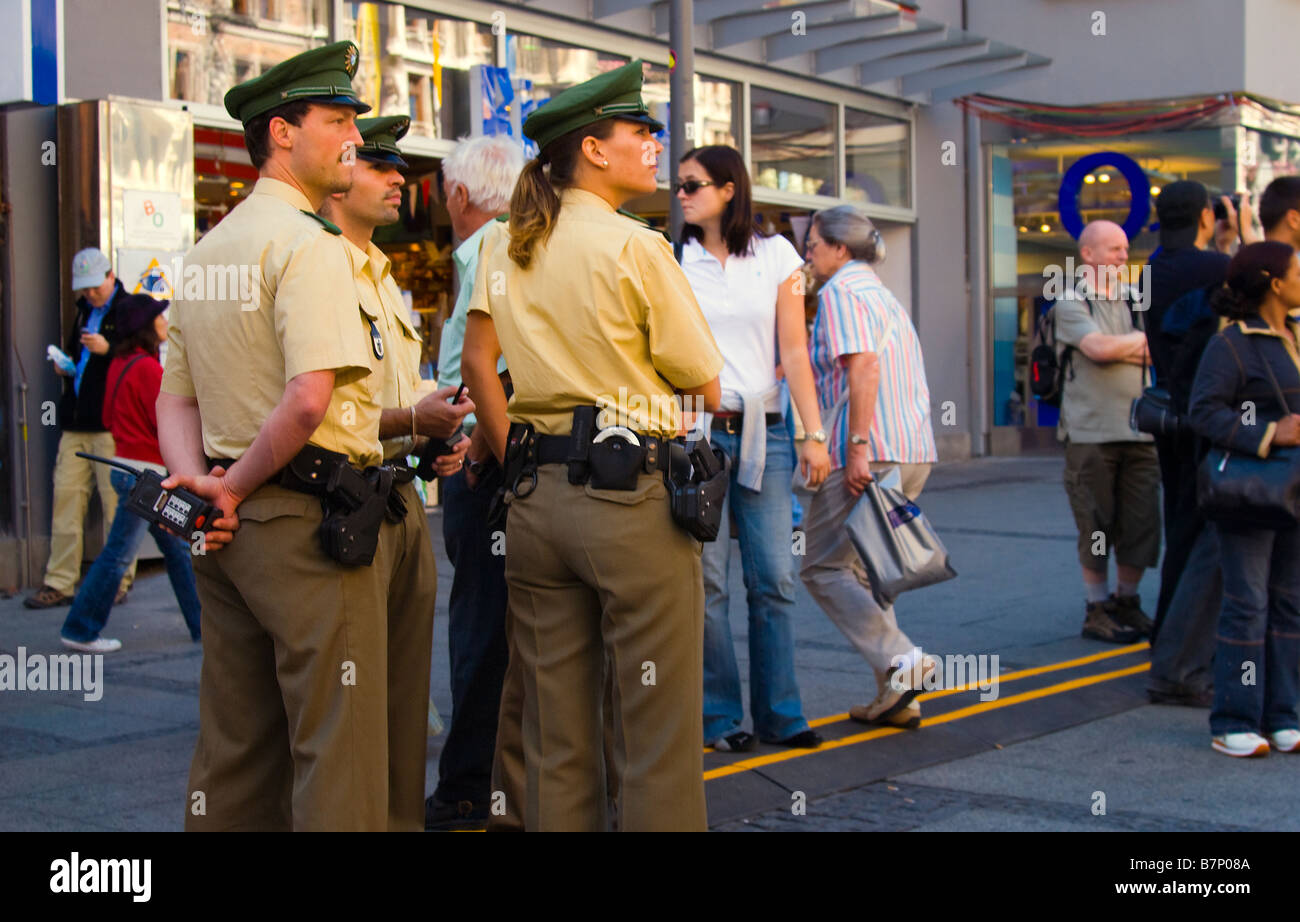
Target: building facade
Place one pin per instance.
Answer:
(952, 123)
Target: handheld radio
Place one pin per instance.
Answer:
(177, 511)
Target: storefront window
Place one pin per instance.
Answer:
(415, 63)
(793, 145)
(213, 45)
(877, 159)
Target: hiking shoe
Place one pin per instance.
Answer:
(1126, 611)
(1285, 740)
(1240, 745)
(740, 741)
(909, 718)
(1099, 624)
(441, 816)
(47, 597)
(98, 645)
(1182, 697)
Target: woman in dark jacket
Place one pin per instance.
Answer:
(1236, 404)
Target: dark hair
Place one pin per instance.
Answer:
(725, 165)
(256, 132)
(1250, 275)
(145, 338)
(1281, 196)
(534, 205)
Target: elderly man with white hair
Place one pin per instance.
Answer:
(477, 181)
(1111, 472)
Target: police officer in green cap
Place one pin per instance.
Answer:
(270, 403)
(590, 309)
(412, 410)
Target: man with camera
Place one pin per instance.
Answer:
(1111, 471)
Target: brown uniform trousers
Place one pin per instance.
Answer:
(412, 596)
(596, 576)
(297, 701)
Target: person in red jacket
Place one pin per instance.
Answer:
(133, 381)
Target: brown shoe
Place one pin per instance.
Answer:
(1127, 612)
(47, 597)
(1099, 624)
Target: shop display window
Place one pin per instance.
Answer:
(418, 64)
(877, 159)
(213, 45)
(793, 142)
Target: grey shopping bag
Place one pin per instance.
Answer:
(895, 541)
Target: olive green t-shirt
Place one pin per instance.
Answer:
(1098, 397)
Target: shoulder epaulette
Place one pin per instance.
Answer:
(646, 224)
(329, 226)
(503, 218)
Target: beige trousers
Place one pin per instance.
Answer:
(74, 478)
(294, 689)
(835, 577)
(599, 575)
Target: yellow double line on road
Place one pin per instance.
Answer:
(745, 765)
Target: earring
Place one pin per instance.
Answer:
(604, 163)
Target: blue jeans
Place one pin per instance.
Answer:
(476, 639)
(763, 520)
(1257, 660)
(95, 597)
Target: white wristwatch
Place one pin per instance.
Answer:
(818, 436)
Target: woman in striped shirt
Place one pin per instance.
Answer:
(871, 381)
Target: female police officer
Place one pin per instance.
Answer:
(590, 308)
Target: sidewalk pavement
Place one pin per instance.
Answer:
(121, 762)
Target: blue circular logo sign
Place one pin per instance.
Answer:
(1072, 183)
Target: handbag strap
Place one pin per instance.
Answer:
(112, 398)
(1277, 388)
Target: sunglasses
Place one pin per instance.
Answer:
(691, 186)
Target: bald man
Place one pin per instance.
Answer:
(1111, 471)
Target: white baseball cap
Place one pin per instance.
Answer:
(89, 268)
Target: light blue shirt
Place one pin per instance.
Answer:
(453, 331)
(92, 326)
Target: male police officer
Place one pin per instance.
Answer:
(293, 711)
(373, 201)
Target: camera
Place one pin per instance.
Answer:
(1221, 213)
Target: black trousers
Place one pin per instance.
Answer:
(476, 638)
(1183, 521)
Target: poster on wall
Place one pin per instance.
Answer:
(152, 219)
(148, 271)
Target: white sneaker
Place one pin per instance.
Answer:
(901, 688)
(1285, 740)
(1241, 745)
(98, 645)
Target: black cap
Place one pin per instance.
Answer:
(1179, 206)
(135, 312)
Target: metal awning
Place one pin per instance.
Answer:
(883, 45)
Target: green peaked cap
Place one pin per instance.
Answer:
(381, 136)
(318, 75)
(613, 94)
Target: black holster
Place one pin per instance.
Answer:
(697, 484)
(355, 503)
(520, 462)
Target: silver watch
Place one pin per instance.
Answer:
(818, 436)
(855, 439)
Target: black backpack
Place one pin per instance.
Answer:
(1050, 362)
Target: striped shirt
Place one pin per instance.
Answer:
(857, 313)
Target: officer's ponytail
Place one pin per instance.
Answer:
(535, 204)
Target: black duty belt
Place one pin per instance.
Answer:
(285, 478)
(554, 449)
(732, 424)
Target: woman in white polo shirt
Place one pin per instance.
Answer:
(750, 288)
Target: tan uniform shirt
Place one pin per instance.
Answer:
(235, 355)
(603, 315)
(381, 300)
